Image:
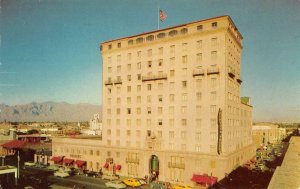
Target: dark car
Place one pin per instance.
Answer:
(92, 174)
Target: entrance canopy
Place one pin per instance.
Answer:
(14, 144)
(204, 179)
(68, 161)
(57, 159)
(80, 163)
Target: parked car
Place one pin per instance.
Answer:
(110, 177)
(115, 184)
(132, 182)
(160, 185)
(29, 164)
(178, 186)
(92, 174)
(61, 174)
(141, 181)
(53, 167)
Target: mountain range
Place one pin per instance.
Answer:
(48, 111)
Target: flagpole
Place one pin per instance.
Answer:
(158, 17)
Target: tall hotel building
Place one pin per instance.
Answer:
(171, 106)
(171, 101)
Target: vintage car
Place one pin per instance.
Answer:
(61, 174)
(132, 182)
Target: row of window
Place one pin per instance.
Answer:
(160, 98)
(236, 111)
(148, 110)
(138, 122)
(184, 58)
(172, 33)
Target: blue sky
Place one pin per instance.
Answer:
(50, 48)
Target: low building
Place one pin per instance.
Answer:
(95, 126)
(287, 175)
(264, 133)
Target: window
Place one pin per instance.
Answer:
(161, 51)
(160, 98)
(172, 61)
(171, 110)
(149, 87)
(214, 42)
(184, 71)
(171, 134)
(213, 82)
(160, 110)
(160, 62)
(109, 90)
(213, 109)
(173, 33)
(109, 46)
(199, 58)
(118, 58)
(184, 46)
(109, 69)
(118, 89)
(199, 44)
(128, 77)
(183, 147)
(172, 50)
(138, 88)
(129, 89)
(139, 54)
(171, 85)
(172, 73)
(198, 123)
(149, 110)
(184, 84)
(129, 56)
(118, 110)
(118, 69)
(150, 38)
(198, 83)
(213, 122)
(149, 64)
(119, 45)
(118, 132)
(161, 35)
(184, 97)
(108, 132)
(160, 122)
(184, 59)
(148, 122)
(138, 99)
(148, 133)
(128, 100)
(139, 40)
(138, 110)
(183, 134)
(213, 95)
(148, 98)
(128, 122)
(139, 65)
(128, 67)
(128, 110)
(183, 109)
(118, 121)
(171, 97)
(118, 100)
(200, 28)
(171, 122)
(199, 96)
(128, 132)
(183, 122)
(198, 109)
(213, 136)
(138, 133)
(108, 111)
(160, 86)
(138, 122)
(184, 31)
(214, 24)
(149, 52)
(213, 55)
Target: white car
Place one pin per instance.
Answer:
(29, 164)
(115, 184)
(53, 167)
(61, 174)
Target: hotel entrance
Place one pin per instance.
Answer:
(154, 168)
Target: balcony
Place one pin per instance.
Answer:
(213, 71)
(176, 165)
(118, 81)
(154, 77)
(239, 80)
(198, 72)
(231, 73)
(108, 82)
(132, 160)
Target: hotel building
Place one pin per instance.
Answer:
(171, 103)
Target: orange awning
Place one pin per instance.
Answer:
(68, 161)
(57, 159)
(118, 167)
(80, 163)
(106, 165)
(14, 144)
(205, 179)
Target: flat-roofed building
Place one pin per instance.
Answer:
(171, 103)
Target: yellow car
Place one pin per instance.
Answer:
(177, 186)
(132, 182)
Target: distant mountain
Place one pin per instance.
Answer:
(48, 111)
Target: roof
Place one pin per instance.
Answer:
(153, 31)
(14, 144)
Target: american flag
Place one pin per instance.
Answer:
(162, 15)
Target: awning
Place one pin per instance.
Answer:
(118, 167)
(80, 163)
(106, 165)
(14, 144)
(57, 159)
(68, 161)
(205, 179)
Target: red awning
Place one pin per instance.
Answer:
(106, 165)
(14, 144)
(210, 180)
(68, 161)
(80, 163)
(57, 159)
(118, 167)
